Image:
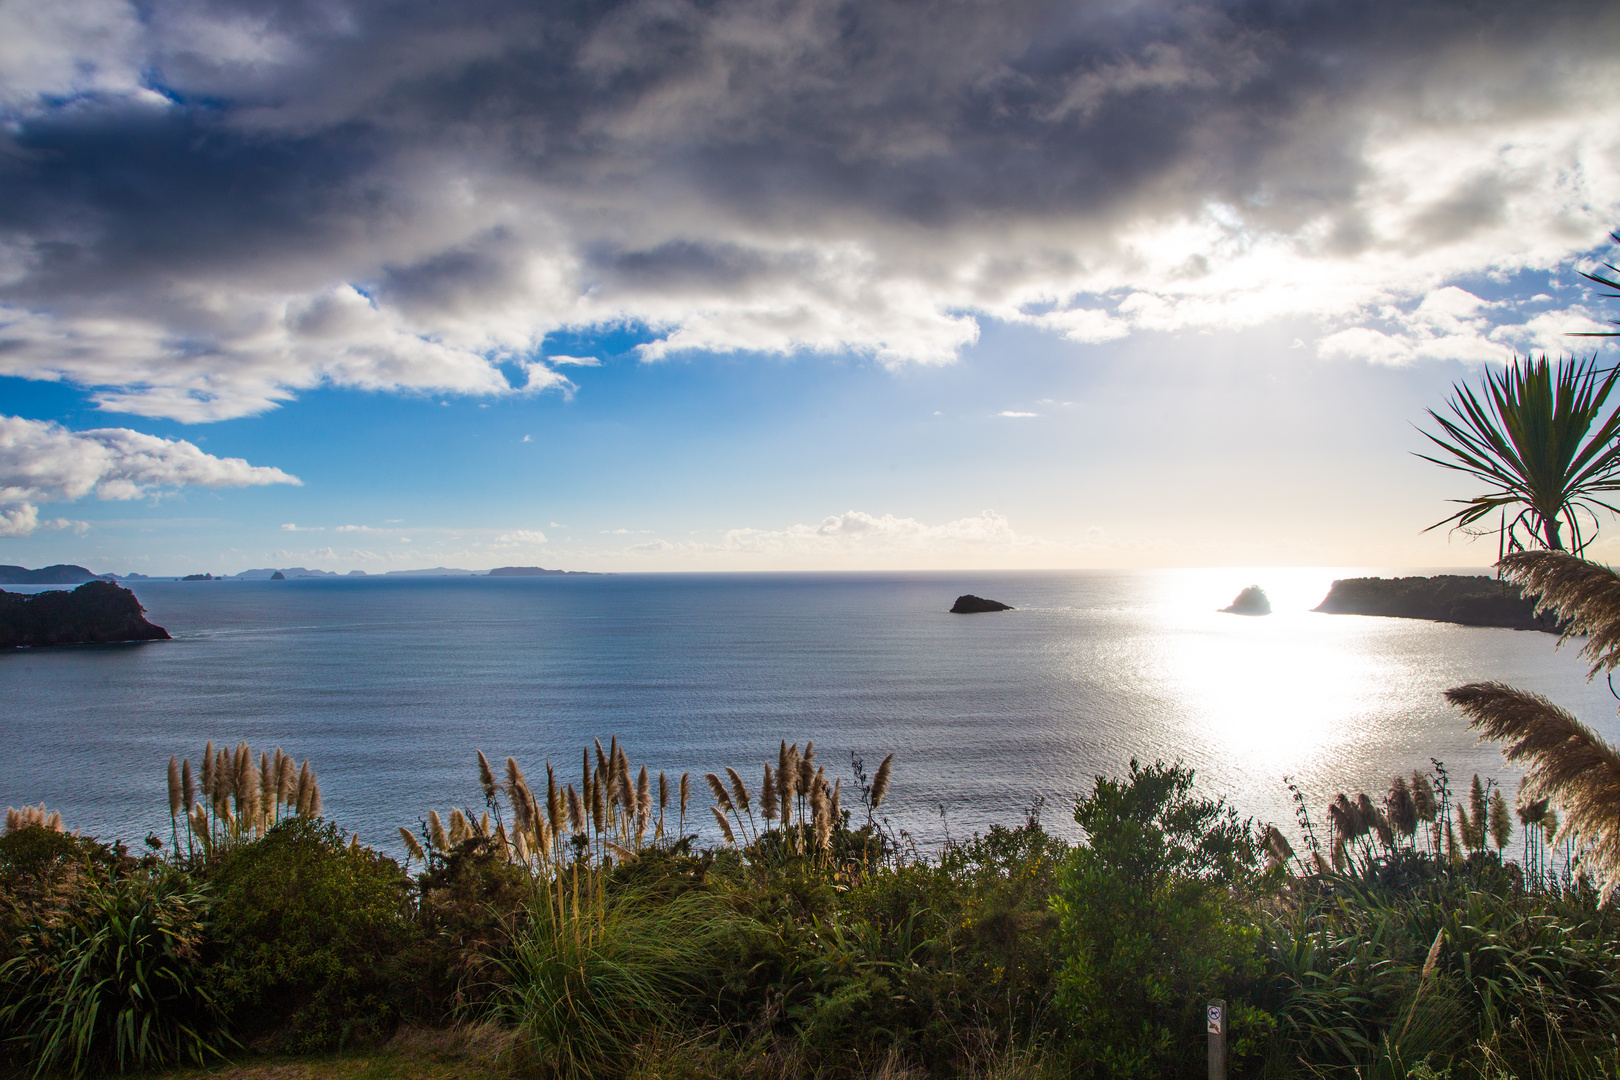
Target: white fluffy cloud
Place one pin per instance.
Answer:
(206, 209)
(44, 462)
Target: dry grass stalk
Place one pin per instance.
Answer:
(719, 789)
(725, 826)
(627, 790)
(301, 792)
(176, 798)
(314, 798)
(807, 767)
(436, 834)
(1584, 596)
(1568, 762)
(880, 782)
(27, 816)
(486, 776)
(627, 854)
(739, 790)
(188, 786)
(554, 800)
(767, 794)
(837, 803)
(686, 791)
(576, 812)
(208, 769)
(287, 780)
(1278, 849)
(820, 811)
(413, 846)
(643, 803)
(1399, 807)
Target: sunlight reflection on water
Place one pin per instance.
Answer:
(388, 687)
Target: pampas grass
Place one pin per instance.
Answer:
(1569, 763)
(880, 782)
(1584, 595)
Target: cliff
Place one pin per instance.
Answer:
(1453, 598)
(97, 611)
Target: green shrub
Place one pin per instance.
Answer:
(317, 945)
(111, 979)
(472, 903)
(1157, 915)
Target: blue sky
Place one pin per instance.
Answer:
(1163, 285)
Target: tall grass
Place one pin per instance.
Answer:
(586, 985)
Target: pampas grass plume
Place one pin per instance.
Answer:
(413, 846)
(176, 794)
(738, 789)
(719, 789)
(767, 794)
(880, 782)
(725, 826)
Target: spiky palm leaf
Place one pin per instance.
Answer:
(1584, 595)
(1608, 283)
(1568, 762)
(1526, 434)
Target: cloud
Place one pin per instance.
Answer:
(292, 527)
(856, 530)
(521, 537)
(41, 461)
(208, 209)
(574, 361)
(1014, 414)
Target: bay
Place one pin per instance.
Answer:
(388, 687)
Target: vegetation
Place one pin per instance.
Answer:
(1528, 434)
(583, 927)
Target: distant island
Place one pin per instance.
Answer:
(968, 604)
(60, 574)
(95, 612)
(532, 571)
(1251, 601)
(1468, 600)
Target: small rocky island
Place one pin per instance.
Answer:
(1469, 600)
(969, 604)
(95, 612)
(1251, 601)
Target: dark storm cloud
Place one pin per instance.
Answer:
(206, 206)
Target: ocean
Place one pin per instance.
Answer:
(389, 686)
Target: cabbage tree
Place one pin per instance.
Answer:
(1528, 433)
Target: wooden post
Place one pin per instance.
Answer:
(1216, 1026)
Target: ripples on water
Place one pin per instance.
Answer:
(389, 686)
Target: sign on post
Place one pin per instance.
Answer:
(1216, 1026)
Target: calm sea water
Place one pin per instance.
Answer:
(388, 687)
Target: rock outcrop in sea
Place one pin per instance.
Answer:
(95, 612)
(968, 604)
(1251, 601)
(1454, 598)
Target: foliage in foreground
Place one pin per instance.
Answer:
(606, 945)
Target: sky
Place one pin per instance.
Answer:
(778, 284)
